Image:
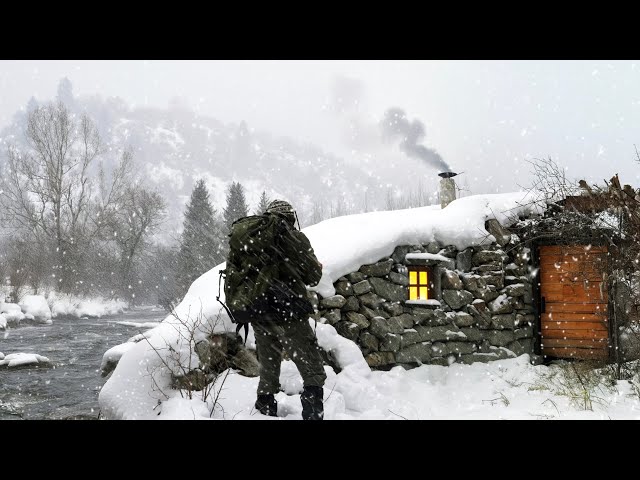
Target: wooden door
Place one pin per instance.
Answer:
(573, 291)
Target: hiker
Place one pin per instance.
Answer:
(280, 313)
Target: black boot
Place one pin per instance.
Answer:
(312, 405)
(267, 405)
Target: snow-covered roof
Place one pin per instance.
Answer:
(342, 245)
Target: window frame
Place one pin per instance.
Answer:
(429, 285)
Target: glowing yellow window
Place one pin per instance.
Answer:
(418, 284)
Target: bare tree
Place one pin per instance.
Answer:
(49, 190)
(137, 217)
(16, 263)
(317, 212)
(112, 190)
(465, 190)
(159, 265)
(365, 204)
(4, 270)
(550, 180)
(391, 203)
(339, 208)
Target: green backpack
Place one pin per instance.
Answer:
(251, 268)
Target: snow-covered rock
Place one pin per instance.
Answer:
(11, 312)
(23, 359)
(112, 356)
(37, 307)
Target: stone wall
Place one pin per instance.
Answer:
(484, 308)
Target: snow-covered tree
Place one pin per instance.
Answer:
(140, 213)
(317, 212)
(32, 104)
(263, 203)
(236, 204)
(65, 92)
(201, 245)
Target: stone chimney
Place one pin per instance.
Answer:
(447, 188)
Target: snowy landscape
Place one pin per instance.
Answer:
(479, 241)
(510, 388)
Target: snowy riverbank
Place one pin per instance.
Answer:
(31, 309)
(64, 304)
(38, 309)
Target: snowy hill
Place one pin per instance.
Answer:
(174, 147)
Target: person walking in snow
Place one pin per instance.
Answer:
(275, 302)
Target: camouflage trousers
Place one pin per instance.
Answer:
(297, 340)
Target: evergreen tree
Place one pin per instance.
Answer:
(21, 117)
(263, 204)
(65, 92)
(32, 104)
(201, 246)
(236, 205)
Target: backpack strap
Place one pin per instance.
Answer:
(246, 331)
(233, 319)
(297, 219)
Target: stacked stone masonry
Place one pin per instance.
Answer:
(485, 309)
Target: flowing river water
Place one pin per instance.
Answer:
(69, 388)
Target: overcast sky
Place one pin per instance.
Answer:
(482, 117)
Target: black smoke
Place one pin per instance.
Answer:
(396, 126)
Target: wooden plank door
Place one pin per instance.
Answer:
(573, 291)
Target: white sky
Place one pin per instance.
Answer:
(483, 117)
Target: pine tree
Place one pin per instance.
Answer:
(201, 246)
(65, 92)
(236, 205)
(263, 204)
(32, 104)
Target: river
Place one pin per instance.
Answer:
(69, 388)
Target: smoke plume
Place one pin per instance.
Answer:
(396, 126)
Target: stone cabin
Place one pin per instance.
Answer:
(434, 304)
(514, 294)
